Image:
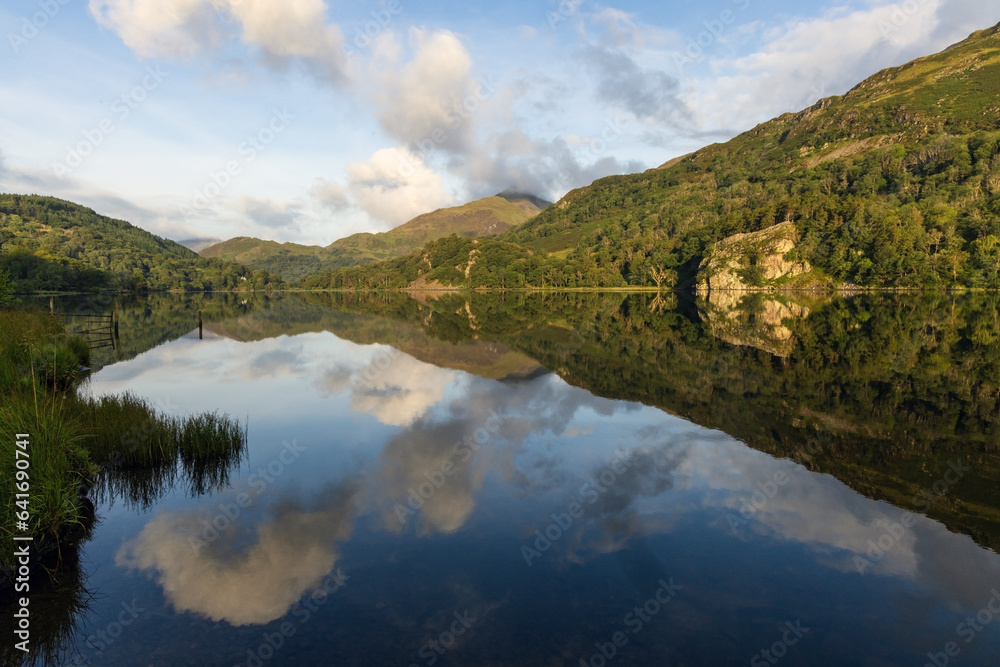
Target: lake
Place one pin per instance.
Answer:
(555, 479)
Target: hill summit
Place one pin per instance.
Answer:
(53, 245)
(894, 184)
(484, 217)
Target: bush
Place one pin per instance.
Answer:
(6, 290)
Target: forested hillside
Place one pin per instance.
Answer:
(50, 244)
(452, 261)
(896, 183)
(484, 217)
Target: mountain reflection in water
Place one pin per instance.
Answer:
(542, 463)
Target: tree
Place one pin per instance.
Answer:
(660, 276)
(6, 289)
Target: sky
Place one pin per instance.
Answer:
(309, 120)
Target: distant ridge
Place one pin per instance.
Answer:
(197, 245)
(514, 196)
(484, 217)
(894, 184)
(55, 245)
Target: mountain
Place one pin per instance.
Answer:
(894, 184)
(485, 217)
(51, 244)
(198, 245)
(528, 202)
(289, 260)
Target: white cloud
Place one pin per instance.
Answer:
(403, 392)
(619, 27)
(395, 186)
(422, 100)
(803, 60)
(270, 214)
(650, 95)
(160, 28)
(330, 194)
(409, 459)
(291, 29)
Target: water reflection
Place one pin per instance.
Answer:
(249, 565)
(441, 471)
(249, 574)
(63, 601)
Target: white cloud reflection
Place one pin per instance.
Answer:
(550, 438)
(289, 554)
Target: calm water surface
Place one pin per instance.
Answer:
(561, 480)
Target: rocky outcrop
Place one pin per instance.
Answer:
(757, 321)
(759, 261)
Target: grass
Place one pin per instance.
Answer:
(31, 351)
(119, 444)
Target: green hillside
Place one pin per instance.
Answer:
(449, 262)
(485, 217)
(289, 260)
(896, 183)
(55, 245)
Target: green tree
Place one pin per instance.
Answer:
(6, 289)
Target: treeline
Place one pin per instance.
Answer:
(927, 215)
(47, 244)
(896, 183)
(470, 264)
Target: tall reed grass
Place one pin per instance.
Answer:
(120, 445)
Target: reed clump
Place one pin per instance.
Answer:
(108, 446)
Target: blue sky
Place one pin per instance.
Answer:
(308, 120)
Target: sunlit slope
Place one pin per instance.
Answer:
(51, 244)
(484, 217)
(896, 182)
